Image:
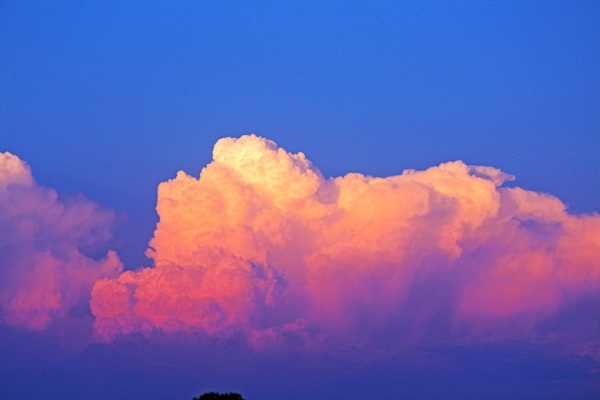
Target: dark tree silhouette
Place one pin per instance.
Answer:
(219, 396)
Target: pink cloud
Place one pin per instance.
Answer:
(43, 271)
(262, 243)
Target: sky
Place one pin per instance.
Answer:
(300, 199)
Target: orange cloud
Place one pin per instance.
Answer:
(542, 256)
(42, 269)
(262, 243)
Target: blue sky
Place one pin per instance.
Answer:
(110, 98)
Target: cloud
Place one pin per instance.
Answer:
(43, 271)
(261, 243)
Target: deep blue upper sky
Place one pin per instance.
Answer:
(111, 98)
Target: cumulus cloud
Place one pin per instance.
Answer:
(43, 271)
(262, 243)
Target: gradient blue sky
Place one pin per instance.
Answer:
(111, 98)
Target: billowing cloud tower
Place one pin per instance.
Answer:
(261, 243)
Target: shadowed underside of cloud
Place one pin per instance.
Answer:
(262, 244)
(43, 269)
